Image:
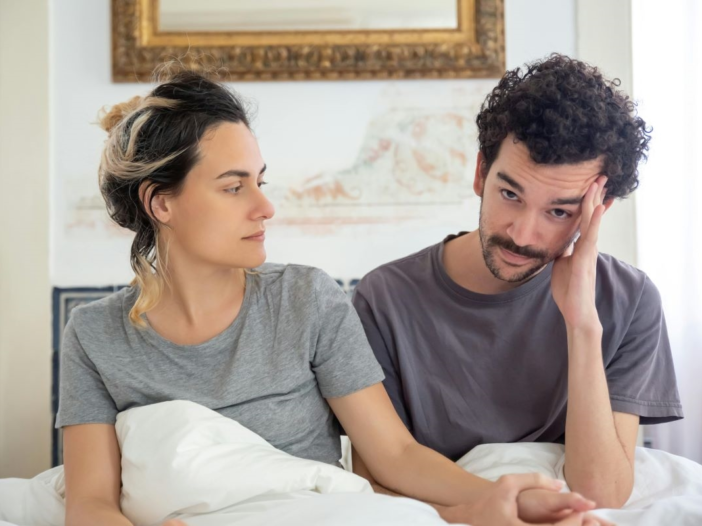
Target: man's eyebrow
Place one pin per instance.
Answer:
(239, 173)
(556, 202)
(514, 184)
(568, 201)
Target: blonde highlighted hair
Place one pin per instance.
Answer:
(151, 146)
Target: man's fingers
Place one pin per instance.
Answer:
(603, 190)
(587, 208)
(593, 231)
(593, 197)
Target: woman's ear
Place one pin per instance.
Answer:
(156, 206)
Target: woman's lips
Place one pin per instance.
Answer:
(261, 236)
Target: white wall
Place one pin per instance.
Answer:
(297, 122)
(604, 39)
(294, 121)
(25, 293)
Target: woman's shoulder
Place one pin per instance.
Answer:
(297, 281)
(100, 315)
(300, 275)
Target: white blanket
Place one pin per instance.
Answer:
(667, 488)
(182, 460)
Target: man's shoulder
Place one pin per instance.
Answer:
(407, 271)
(615, 269)
(622, 281)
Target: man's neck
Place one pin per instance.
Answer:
(465, 265)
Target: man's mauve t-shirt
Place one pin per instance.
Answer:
(465, 369)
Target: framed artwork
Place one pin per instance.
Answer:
(263, 40)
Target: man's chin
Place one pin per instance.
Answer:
(516, 275)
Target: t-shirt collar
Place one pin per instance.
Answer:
(536, 283)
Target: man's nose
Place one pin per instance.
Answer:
(524, 230)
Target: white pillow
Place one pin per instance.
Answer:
(180, 458)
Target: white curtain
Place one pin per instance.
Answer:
(667, 48)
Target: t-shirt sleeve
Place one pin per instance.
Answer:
(343, 362)
(393, 381)
(83, 397)
(641, 376)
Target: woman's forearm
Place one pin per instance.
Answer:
(424, 474)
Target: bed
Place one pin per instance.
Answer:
(182, 460)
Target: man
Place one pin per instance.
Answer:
(521, 331)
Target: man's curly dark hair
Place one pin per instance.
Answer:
(566, 112)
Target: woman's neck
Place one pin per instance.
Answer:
(198, 302)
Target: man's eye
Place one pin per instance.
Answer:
(559, 213)
(510, 196)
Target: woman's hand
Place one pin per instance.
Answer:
(538, 505)
(500, 504)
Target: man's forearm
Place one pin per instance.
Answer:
(95, 512)
(596, 464)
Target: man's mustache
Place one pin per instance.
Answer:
(510, 245)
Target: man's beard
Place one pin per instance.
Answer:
(489, 243)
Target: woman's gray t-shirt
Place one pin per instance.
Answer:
(296, 341)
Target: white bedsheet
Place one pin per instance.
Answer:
(667, 488)
(182, 460)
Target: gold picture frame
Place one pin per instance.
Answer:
(475, 49)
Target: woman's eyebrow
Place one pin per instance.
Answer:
(239, 173)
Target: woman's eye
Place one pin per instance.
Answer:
(510, 196)
(234, 190)
(262, 183)
(559, 213)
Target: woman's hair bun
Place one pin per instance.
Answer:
(108, 119)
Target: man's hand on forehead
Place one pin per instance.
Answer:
(574, 273)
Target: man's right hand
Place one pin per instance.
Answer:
(500, 506)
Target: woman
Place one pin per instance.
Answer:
(278, 349)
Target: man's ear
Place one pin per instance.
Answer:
(156, 206)
(481, 171)
(608, 202)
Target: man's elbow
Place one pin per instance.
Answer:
(612, 501)
(604, 495)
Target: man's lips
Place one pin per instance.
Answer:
(512, 258)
